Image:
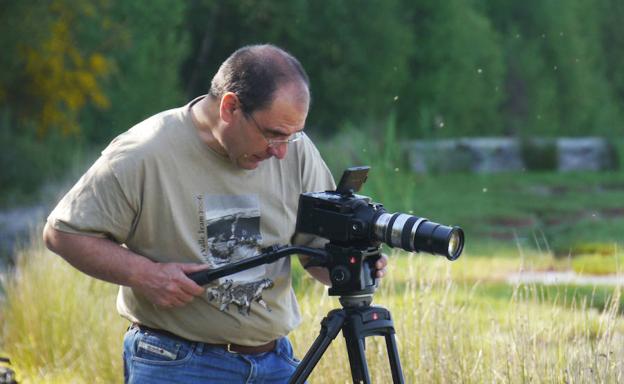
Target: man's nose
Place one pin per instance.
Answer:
(278, 150)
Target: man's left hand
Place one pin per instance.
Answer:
(380, 266)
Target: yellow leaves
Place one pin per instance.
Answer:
(100, 100)
(98, 63)
(61, 78)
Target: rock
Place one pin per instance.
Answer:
(482, 155)
(585, 154)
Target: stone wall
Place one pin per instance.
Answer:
(488, 155)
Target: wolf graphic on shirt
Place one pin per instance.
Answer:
(230, 232)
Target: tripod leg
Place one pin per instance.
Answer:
(330, 326)
(365, 322)
(393, 357)
(357, 359)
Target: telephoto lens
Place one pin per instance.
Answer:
(417, 234)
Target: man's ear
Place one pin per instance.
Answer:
(229, 104)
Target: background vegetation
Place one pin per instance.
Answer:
(74, 74)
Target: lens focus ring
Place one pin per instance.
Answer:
(397, 229)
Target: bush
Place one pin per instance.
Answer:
(539, 155)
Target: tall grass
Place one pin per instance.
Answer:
(450, 334)
(59, 326)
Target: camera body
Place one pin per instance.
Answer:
(343, 218)
(356, 227)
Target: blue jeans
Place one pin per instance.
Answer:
(156, 358)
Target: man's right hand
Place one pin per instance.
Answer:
(167, 284)
(163, 284)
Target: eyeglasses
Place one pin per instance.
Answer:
(273, 142)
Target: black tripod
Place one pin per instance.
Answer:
(351, 269)
(357, 320)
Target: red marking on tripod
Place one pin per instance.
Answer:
(375, 316)
(353, 260)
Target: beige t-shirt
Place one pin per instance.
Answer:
(160, 191)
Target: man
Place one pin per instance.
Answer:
(199, 187)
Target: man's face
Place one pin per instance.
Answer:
(253, 138)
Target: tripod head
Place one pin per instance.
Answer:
(351, 269)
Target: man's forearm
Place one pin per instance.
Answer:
(98, 257)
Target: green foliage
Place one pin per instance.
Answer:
(436, 69)
(455, 82)
(150, 45)
(618, 153)
(539, 155)
(611, 14)
(355, 53)
(27, 162)
(452, 68)
(79, 73)
(390, 181)
(55, 75)
(555, 81)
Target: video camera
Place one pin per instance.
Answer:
(349, 219)
(355, 227)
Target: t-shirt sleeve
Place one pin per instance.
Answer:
(96, 206)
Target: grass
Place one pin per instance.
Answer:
(59, 326)
(456, 322)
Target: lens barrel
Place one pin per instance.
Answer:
(417, 234)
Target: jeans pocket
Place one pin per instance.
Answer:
(289, 359)
(285, 351)
(161, 350)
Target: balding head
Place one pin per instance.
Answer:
(254, 73)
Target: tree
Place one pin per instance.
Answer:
(354, 52)
(49, 77)
(455, 85)
(555, 80)
(150, 44)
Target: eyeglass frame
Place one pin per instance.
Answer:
(274, 142)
